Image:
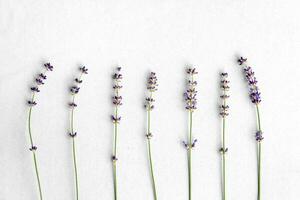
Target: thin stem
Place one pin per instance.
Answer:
(259, 149)
(72, 116)
(33, 151)
(74, 152)
(75, 168)
(115, 142)
(37, 175)
(224, 152)
(149, 150)
(115, 155)
(259, 172)
(115, 133)
(115, 181)
(190, 154)
(258, 117)
(223, 160)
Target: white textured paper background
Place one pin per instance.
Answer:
(163, 36)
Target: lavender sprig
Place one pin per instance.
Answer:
(190, 97)
(224, 113)
(255, 98)
(149, 105)
(116, 118)
(74, 90)
(39, 80)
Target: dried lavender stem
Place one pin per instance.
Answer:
(115, 155)
(74, 152)
(117, 101)
(259, 146)
(33, 152)
(223, 155)
(74, 148)
(75, 167)
(224, 113)
(191, 105)
(190, 153)
(149, 149)
(255, 97)
(39, 80)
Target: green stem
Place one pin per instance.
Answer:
(33, 152)
(259, 172)
(74, 152)
(258, 118)
(150, 153)
(223, 161)
(37, 175)
(190, 154)
(115, 181)
(75, 168)
(259, 146)
(115, 155)
(224, 153)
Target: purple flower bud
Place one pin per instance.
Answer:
(117, 75)
(224, 96)
(117, 100)
(74, 134)
(72, 105)
(31, 103)
(255, 96)
(191, 71)
(259, 136)
(83, 69)
(117, 87)
(74, 89)
(185, 144)
(39, 81)
(194, 143)
(149, 136)
(33, 148)
(115, 119)
(192, 83)
(42, 76)
(77, 80)
(223, 151)
(34, 89)
(48, 67)
(224, 74)
(242, 60)
(114, 158)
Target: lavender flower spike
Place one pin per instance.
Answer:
(255, 98)
(151, 87)
(74, 90)
(116, 118)
(254, 93)
(190, 97)
(224, 108)
(39, 81)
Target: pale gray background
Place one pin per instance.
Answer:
(163, 36)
